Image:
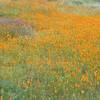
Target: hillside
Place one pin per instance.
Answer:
(59, 59)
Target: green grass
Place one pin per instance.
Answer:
(48, 82)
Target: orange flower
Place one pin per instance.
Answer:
(97, 78)
(3, 46)
(85, 78)
(1, 98)
(13, 62)
(97, 71)
(49, 62)
(73, 74)
(29, 62)
(78, 69)
(10, 98)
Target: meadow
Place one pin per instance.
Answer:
(58, 61)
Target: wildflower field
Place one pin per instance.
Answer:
(58, 57)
